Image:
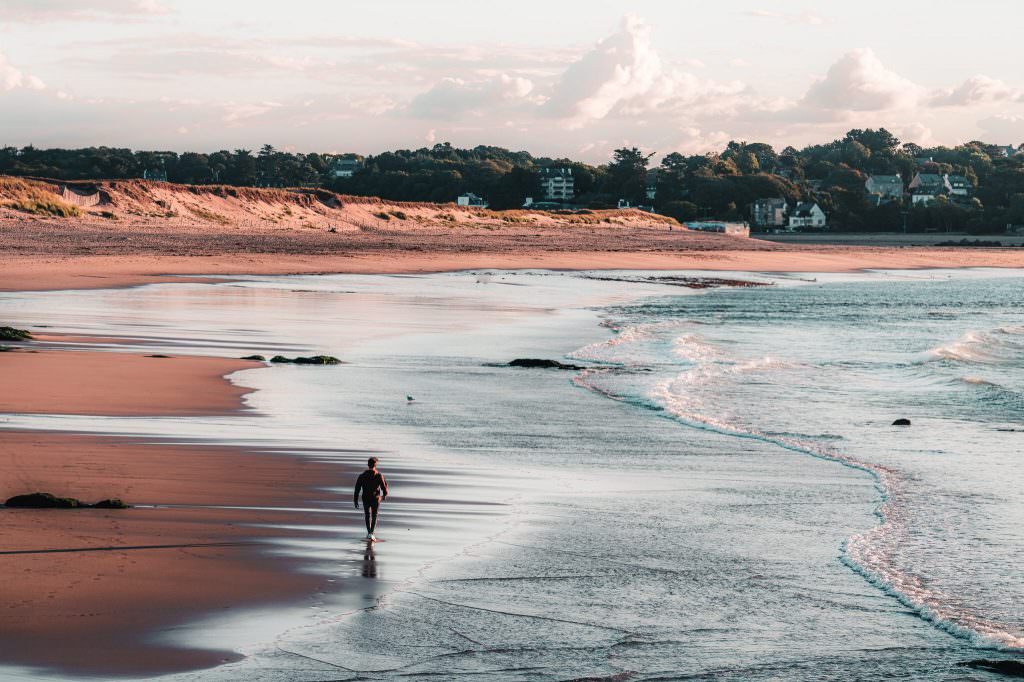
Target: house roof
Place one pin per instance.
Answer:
(773, 202)
(803, 209)
(556, 170)
(958, 180)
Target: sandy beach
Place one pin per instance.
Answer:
(87, 589)
(118, 384)
(150, 232)
(189, 548)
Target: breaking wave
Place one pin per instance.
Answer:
(997, 346)
(685, 399)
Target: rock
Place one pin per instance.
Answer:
(42, 501)
(12, 334)
(158, 356)
(113, 503)
(311, 360)
(542, 364)
(258, 358)
(901, 422)
(318, 360)
(1003, 666)
(50, 501)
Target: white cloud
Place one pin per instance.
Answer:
(621, 67)
(918, 133)
(234, 112)
(1004, 128)
(978, 89)
(11, 77)
(452, 98)
(623, 78)
(366, 94)
(860, 82)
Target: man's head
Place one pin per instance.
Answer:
(371, 463)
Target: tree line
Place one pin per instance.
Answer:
(714, 185)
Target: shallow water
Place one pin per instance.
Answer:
(721, 495)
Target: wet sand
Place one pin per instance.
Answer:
(44, 272)
(86, 590)
(117, 384)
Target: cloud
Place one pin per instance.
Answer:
(619, 68)
(918, 133)
(860, 82)
(12, 78)
(623, 76)
(365, 94)
(978, 89)
(1004, 128)
(452, 98)
(78, 10)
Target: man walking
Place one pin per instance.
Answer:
(372, 487)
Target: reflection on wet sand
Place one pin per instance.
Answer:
(369, 561)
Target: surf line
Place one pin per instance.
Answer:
(984, 634)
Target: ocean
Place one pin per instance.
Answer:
(718, 493)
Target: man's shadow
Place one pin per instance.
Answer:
(369, 561)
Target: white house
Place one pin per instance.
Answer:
(471, 200)
(557, 183)
(807, 214)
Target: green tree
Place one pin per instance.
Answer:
(627, 174)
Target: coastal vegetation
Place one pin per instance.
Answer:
(23, 196)
(719, 185)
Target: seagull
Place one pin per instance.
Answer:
(409, 398)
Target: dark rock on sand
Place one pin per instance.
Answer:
(312, 360)
(113, 503)
(542, 364)
(12, 334)
(258, 358)
(1003, 666)
(51, 501)
(158, 355)
(901, 422)
(42, 501)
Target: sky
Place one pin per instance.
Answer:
(575, 78)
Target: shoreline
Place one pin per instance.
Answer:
(48, 273)
(276, 580)
(94, 586)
